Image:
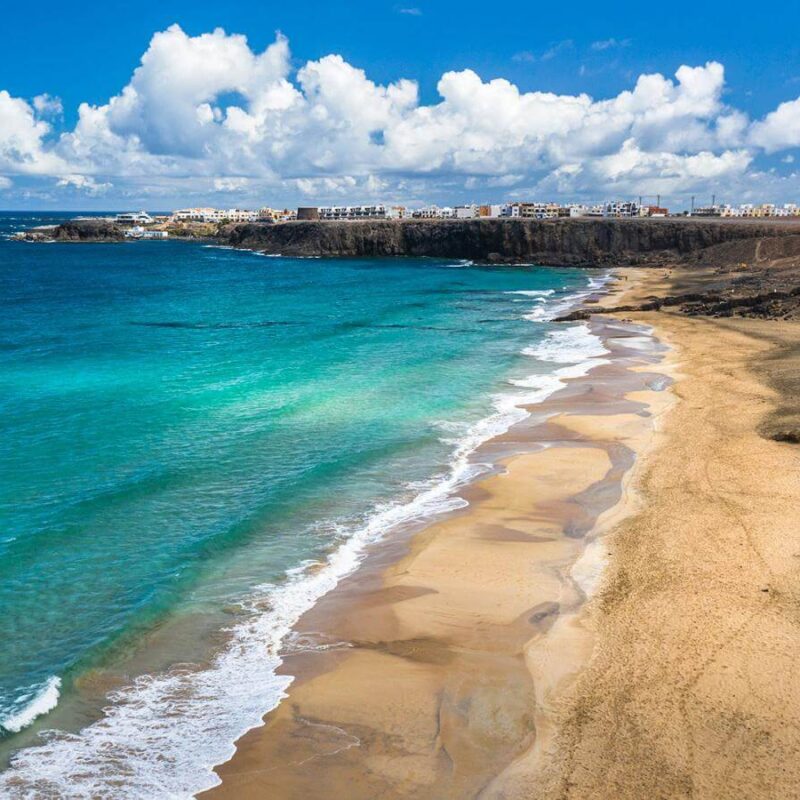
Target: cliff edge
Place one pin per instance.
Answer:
(567, 242)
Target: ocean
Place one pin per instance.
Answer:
(196, 443)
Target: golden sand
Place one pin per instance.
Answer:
(461, 650)
(593, 625)
(692, 689)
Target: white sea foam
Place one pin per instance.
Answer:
(568, 346)
(241, 250)
(39, 700)
(161, 736)
(534, 292)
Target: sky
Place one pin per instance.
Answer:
(250, 103)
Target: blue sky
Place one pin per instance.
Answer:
(89, 55)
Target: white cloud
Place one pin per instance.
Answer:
(608, 44)
(22, 149)
(230, 184)
(780, 129)
(557, 48)
(5, 183)
(48, 106)
(411, 12)
(205, 115)
(84, 183)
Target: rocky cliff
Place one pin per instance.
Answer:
(103, 230)
(577, 242)
(88, 231)
(567, 242)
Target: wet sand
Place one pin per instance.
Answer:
(446, 658)
(614, 616)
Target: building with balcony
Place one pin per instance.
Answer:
(134, 218)
(352, 212)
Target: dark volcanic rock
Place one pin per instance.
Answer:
(88, 231)
(568, 242)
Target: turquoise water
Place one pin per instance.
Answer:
(180, 425)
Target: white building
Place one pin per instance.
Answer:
(581, 210)
(194, 214)
(433, 212)
(466, 212)
(214, 215)
(138, 232)
(134, 218)
(353, 212)
(623, 208)
(240, 215)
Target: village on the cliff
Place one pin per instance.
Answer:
(143, 225)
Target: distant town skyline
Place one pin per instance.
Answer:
(402, 104)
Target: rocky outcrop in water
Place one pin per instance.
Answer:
(569, 242)
(88, 231)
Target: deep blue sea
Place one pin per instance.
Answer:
(185, 430)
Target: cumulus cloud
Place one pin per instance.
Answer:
(204, 115)
(22, 135)
(5, 183)
(780, 129)
(84, 183)
(48, 106)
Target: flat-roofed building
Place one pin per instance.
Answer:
(352, 212)
(134, 218)
(622, 209)
(433, 212)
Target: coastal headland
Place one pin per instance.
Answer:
(564, 242)
(568, 242)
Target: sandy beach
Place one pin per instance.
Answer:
(614, 615)
(446, 658)
(689, 691)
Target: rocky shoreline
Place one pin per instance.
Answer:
(737, 267)
(104, 231)
(563, 242)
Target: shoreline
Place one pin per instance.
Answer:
(421, 614)
(93, 733)
(611, 615)
(688, 692)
